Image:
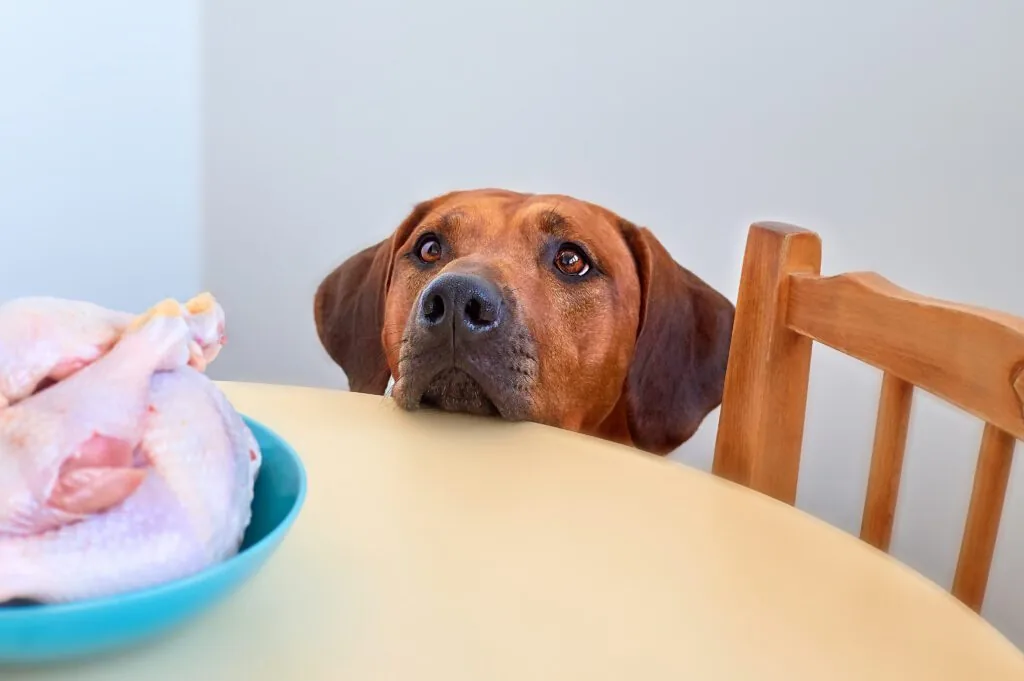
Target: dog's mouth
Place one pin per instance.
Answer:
(491, 375)
(455, 390)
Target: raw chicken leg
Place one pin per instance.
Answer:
(44, 338)
(68, 451)
(52, 338)
(190, 511)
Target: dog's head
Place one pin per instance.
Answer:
(540, 308)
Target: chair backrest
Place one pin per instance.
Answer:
(971, 357)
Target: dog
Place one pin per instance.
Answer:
(542, 308)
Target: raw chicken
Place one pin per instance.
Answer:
(133, 471)
(50, 338)
(43, 338)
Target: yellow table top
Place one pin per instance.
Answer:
(443, 547)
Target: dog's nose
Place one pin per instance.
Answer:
(470, 302)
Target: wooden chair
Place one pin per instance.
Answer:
(971, 357)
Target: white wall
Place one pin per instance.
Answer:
(100, 150)
(894, 128)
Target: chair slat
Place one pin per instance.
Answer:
(979, 541)
(887, 461)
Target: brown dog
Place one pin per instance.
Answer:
(539, 308)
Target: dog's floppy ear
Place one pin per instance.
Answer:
(682, 347)
(349, 309)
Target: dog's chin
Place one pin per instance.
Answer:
(455, 390)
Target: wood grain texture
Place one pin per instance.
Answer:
(982, 528)
(887, 461)
(1018, 387)
(968, 356)
(761, 422)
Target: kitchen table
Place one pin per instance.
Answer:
(450, 548)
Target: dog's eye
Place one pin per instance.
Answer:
(429, 248)
(571, 261)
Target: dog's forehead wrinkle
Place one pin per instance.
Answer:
(448, 223)
(450, 219)
(570, 220)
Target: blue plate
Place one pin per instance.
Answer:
(45, 633)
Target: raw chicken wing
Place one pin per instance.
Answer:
(68, 451)
(50, 338)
